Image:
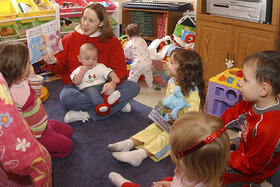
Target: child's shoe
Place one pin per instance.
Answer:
(73, 116)
(114, 98)
(126, 108)
(102, 109)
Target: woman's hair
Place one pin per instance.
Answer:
(132, 30)
(190, 72)
(208, 163)
(106, 29)
(267, 68)
(14, 57)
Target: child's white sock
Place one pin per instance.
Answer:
(133, 158)
(121, 146)
(117, 179)
(113, 97)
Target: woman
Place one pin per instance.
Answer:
(95, 29)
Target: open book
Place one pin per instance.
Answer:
(43, 39)
(157, 115)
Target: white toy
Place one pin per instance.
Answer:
(159, 47)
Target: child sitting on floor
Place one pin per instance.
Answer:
(199, 149)
(186, 70)
(136, 49)
(25, 86)
(90, 78)
(258, 154)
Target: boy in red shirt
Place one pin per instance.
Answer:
(258, 154)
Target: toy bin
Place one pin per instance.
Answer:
(21, 14)
(68, 24)
(110, 7)
(22, 27)
(46, 8)
(12, 35)
(7, 12)
(223, 91)
(68, 9)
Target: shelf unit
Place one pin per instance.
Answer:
(172, 19)
(56, 16)
(218, 38)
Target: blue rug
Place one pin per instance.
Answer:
(91, 162)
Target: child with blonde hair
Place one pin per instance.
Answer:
(186, 71)
(199, 149)
(136, 49)
(258, 155)
(25, 87)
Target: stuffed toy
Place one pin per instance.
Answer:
(175, 102)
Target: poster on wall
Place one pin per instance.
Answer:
(43, 39)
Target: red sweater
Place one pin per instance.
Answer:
(257, 156)
(110, 53)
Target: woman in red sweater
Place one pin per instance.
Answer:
(94, 28)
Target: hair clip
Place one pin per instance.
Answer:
(200, 143)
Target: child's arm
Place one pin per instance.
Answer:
(128, 50)
(35, 81)
(80, 75)
(114, 78)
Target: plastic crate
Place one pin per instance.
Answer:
(22, 27)
(110, 6)
(50, 11)
(144, 20)
(78, 6)
(33, 6)
(7, 12)
(10, 37)
(220, 97)
(112, 21)
(70, 27)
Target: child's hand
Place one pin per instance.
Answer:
(84, 68)
(108, 88)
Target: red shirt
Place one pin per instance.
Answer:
(110, 53)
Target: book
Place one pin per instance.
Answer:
(43, 39)
(157, 115)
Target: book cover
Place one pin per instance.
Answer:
(43, 39)
(157, 115)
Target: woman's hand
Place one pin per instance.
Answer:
(162, 184)
(108, 88)
(50, 59)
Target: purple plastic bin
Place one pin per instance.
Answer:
(220, 97)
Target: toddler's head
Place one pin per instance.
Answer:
(186, 66)
(203, 162)
(88, 55)
(132, 30)
(15, 62)
(261, 70)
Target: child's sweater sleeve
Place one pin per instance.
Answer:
(36, 83)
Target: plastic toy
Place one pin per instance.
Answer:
(159, 47)
(175, 102)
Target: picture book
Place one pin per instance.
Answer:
(157, 115)
(43, 39)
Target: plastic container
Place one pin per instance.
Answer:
(10, 37)
(112, 21)
(110, 6)
(20, 14)
(22, 27)
(7, 12)
(74, 6)
(50, 11)
(64, 26)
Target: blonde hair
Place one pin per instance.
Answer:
(89, 46)
(208, 163)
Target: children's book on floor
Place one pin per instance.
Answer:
(157, 115)
(43, 39)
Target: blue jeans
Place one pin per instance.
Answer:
(94, 95)
(73, 99)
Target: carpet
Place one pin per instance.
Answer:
(90, 162)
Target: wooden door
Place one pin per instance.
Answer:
(214, 43)
(248, 41)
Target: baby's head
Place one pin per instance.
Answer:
(88, 55)
(132, 30)
(15, 61)
(265, 69)
(205, 162)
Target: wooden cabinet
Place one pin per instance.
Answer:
(220, 38)
(171, 20)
